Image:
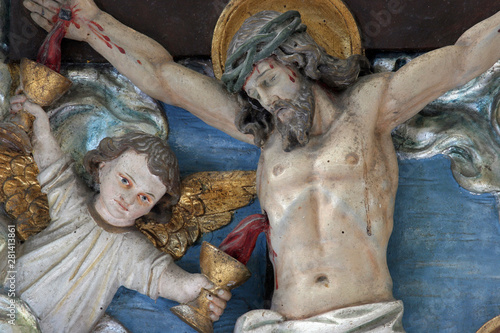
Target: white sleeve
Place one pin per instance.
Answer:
(145, 264)
(64, 192)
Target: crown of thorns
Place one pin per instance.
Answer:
(259, 47)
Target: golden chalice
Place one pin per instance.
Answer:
(40, 84)
(224, 272)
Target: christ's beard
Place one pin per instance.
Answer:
(294, 119)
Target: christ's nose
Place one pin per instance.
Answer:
(267, 100)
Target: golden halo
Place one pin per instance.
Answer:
(329, 22)
(492, 326)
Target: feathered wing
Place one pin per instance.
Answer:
(20, 192)
(207, 202)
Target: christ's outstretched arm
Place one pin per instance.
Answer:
(429, 76)
(145, 62)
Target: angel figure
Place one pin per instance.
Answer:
(69, 272)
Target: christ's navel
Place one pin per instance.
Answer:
(322, 280)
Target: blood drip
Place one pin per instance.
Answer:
(49, 53)
(240, 243)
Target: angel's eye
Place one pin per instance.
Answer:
(124, 180)
(144, 199)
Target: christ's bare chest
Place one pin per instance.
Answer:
(338, 155)
(345, 178)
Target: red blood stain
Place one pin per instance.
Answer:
(139, 62)
(294, 74)
(240, 242)
(248, 77)
(50, 51)
(101, 37)
(97, 25)
(273, 255)
(291, 78)
(270, 65)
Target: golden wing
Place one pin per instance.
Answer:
(207, 202)
(20, 192)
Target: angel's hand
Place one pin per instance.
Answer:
(217, 301)
(45, 13)
(46, 150)
(20, 102)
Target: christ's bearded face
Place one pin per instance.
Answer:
(287, 95)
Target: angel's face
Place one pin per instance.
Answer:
(128, 189)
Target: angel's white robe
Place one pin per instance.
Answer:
(69, 273)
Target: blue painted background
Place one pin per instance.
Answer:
(443, 254)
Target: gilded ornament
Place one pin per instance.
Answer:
(21, 194)
(42, 85)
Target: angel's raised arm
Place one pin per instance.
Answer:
(46, 149)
